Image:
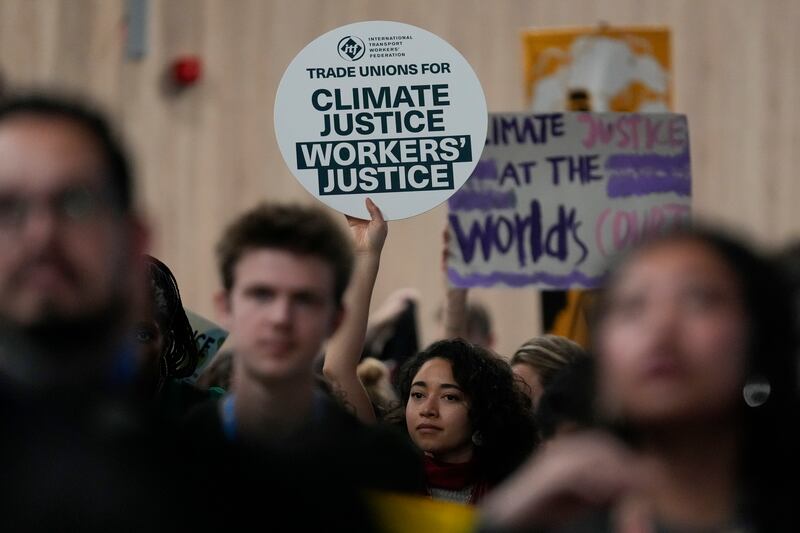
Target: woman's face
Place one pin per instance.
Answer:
(672, 344)
(437, 413)
(532, 383)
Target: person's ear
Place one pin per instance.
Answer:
(222, 307)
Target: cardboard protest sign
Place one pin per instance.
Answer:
(601, 68)
(556, 194)
(380, 109)
(208, 337)
(598, 69)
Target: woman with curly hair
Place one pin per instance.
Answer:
(461, 407)
(460, 404)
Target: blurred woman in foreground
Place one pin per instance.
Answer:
(688, 319)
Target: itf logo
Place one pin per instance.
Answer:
(351, 48)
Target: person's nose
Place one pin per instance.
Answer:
(39, 227)
(280, 314)
(430, 407)
(662, 323)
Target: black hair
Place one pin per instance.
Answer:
(179, 356)
(769, 430)
(87, 116)
(499, 411)
(396, 340)
(568, 398)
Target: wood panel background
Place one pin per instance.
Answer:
(208, 153)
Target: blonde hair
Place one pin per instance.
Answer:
(374, 375)
(548, 354)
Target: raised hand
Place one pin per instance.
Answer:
(455, 303)
(344, 348)
(369, 235)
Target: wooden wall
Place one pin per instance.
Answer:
(208, 153)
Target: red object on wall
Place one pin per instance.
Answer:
(186, 70)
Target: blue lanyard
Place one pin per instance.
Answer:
(229, 414)
(229, 417)
(125, 367)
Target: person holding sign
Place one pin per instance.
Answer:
(460, 405)
(687, 320)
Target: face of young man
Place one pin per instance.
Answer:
(65, 254)
(280, 310)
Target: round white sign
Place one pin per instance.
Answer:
(382, 110)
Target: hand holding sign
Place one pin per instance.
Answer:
(368, 235)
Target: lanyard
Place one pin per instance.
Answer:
(229, 426)
(229, 417)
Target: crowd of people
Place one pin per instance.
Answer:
(315, 406)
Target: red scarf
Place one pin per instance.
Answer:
(455, 476)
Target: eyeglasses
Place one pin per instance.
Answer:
(76, 205)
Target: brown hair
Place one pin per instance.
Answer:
(548, 354)
(303, 230)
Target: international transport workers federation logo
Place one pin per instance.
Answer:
(351, 48)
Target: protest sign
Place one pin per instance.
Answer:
(208, 337)
(555, 195)
(601, 68)
(382, 110)
(618, 68)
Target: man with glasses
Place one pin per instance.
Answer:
(76, 452)
(69, 240)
